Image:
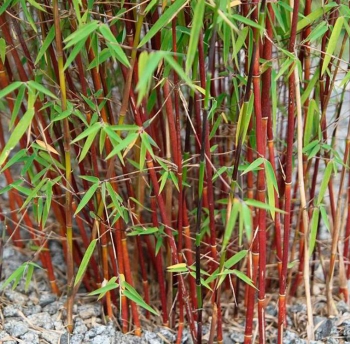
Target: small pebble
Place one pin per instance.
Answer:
(30, 337)
(16, 328)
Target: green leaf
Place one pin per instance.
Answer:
(257, 204)
(90, 130)
(76, 50)
(89, 141)
(197, 24)
(244, 278)
(5, 6)
(30, 270)
(34, 192)
(313, 230)
(37, 6)
(163, 20)
(113, 44)
(85, 261)
(246, 21)
(129, 140)
(17, 134)
(17, 105)
(10, 88)
(143, 231)
(40, 88)
(133, 295)
(254, 166)
(111, 284)
(317, 32)
(235, 259)
(324, 183)
(313, 16)
(2, 50)
(28, 16)
(231, 223)
(81, 34)
(86, 198)
(332, 43)
(272, 187)
(16, 158)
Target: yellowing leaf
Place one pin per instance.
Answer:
(47, 147)
(235, 3)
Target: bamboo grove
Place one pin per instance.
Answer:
(182, 153)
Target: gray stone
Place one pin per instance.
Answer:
(53, 307)
(324, 330)
(342, 307)
(16, 297)
(42, 320)
(31, 309)
(77, 339)
(89, 310)
(6, 338)
(46, 299)
(298, 308)
(346, 332)
(12, 310)
(16, 328)
(167, 334)
(152, 337)
(79, 326)
(59, 326)
(237, 337)
(30, 338)
(51, 337)
(332, 340)
(227, 339)
(101, 339)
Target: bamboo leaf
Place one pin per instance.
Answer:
(90, 130)
(40, 88)
(246, 21)
(110, 285)
(86, 198)
(113, 44)
(271, 183)
(332, 43)
(17, 105)
(254, 166)
(231, 223)
(17, 134)
(257, 204)
(197, 24)
(313, 16)
(76, 50)
(324, 184)
(131, 138)
(89, 141)
(313, 230)
(37, 6)
(15, 276)
(2, 50)
(235, 259)
(30, 270)
(180, 267)
(163, 20)
(244, 278)
(47, 147)
(47, 42)
(133, 295)
(85, 261)
(10, 88)
(81, 34)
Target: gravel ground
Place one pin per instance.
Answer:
(37, 316)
